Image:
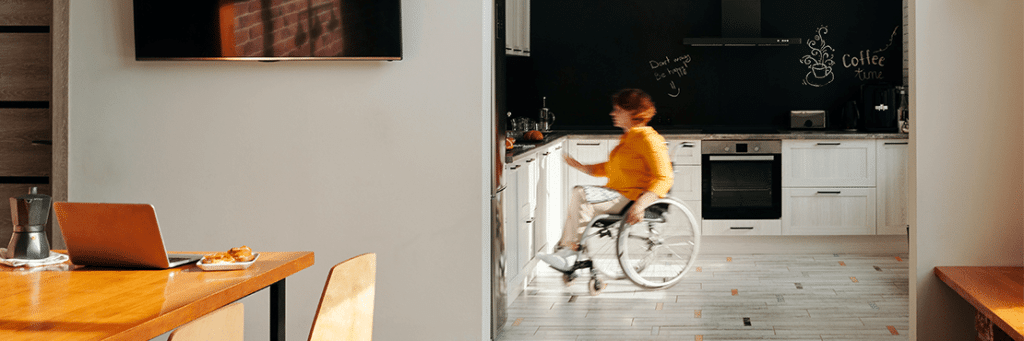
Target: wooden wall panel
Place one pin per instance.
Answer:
(8, 191)
(22, 152)
(25, 12)
(25, 69)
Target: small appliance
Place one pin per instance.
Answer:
(851, 116)
(807, 119)
(29, 213)
(880, 108)
(547, 118)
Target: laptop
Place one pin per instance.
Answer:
(115, 235)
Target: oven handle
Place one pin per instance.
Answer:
(741, 157)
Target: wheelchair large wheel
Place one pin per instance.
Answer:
(599, 246)
(658, 251)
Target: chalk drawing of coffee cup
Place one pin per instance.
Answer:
(819, 60)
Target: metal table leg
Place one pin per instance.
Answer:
(277, 311)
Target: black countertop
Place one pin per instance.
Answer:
(522, 147)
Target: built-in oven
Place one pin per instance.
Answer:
(741, 179)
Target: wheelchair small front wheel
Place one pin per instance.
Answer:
(658, 251)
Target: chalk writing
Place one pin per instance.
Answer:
(670, 67)
(819, 61)
(868, 58)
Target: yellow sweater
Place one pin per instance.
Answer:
(640, 163)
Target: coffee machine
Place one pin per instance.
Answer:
(29, 214)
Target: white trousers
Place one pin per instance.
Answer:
(581, 212)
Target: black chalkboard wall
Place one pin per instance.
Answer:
(584, 51)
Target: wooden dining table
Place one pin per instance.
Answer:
(70, 302)
(997, 292)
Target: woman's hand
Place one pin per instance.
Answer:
(636, 212)
(569, 160)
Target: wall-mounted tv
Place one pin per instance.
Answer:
(268, 30)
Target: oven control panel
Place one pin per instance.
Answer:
(741, 147)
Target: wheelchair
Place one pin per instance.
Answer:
(654, 253)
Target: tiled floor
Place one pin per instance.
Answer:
(742, 297)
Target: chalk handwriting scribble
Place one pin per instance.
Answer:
(819, 61)
(890, 40)
(670, 67)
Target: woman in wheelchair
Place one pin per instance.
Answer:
(639, 172)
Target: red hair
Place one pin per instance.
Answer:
(637, 102)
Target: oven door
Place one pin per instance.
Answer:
(742, 186)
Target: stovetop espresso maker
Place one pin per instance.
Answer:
(29, 214)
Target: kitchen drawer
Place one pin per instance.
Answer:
(828, 211)
(716, 227)
(684, 152)
(828, 163)
(694, 207)
(686, 183)
(25, 142)
(25, 62)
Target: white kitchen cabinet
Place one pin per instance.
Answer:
(828, 163)
(686, 183)
(725, 227)
(684, 152)
(828, 211)
(530, 179)
(892, 179)
(517, 27)
(550, 194)
(587, 152)
(511, 221)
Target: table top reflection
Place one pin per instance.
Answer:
(68, 302)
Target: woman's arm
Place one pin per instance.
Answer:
(636, 212)
(592, 170)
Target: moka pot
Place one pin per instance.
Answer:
(29, 214)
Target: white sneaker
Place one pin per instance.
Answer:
(561, 260)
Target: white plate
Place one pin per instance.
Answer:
(227, 266)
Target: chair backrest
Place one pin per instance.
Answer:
(225, 324)
(346, 305)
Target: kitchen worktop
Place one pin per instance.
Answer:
(523, 147)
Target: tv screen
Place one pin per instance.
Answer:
(268, 29)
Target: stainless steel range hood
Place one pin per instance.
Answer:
(741, 26)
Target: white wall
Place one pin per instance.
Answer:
(339, 158)
(966, 150)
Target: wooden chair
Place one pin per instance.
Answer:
(346, 305)
(225, 324)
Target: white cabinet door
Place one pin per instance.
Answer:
(828, 211)
(686, 183)
(828, 163)
(587, 152)
(511, 221)
(722, 227)
(892, 187)
(517, 27)
(552, 203)
(524, 216)
(684, 152)
(532, 170)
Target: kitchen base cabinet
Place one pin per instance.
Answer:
(828, 163)
(587, 152)
(725, 227)
(828, 211)
(893, 187)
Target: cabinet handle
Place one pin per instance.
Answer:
(687, 145)
(546, 154)
(529, 221)
(530, 160)
(559, 147)
(828, 143)
(741, 228)
(894, 143)
(515, 167)
(829, 192)
(588, 144)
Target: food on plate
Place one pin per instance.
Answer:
(217, 258)
(236, 254)
(242, 254)
(533, 135)
(509, 142)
